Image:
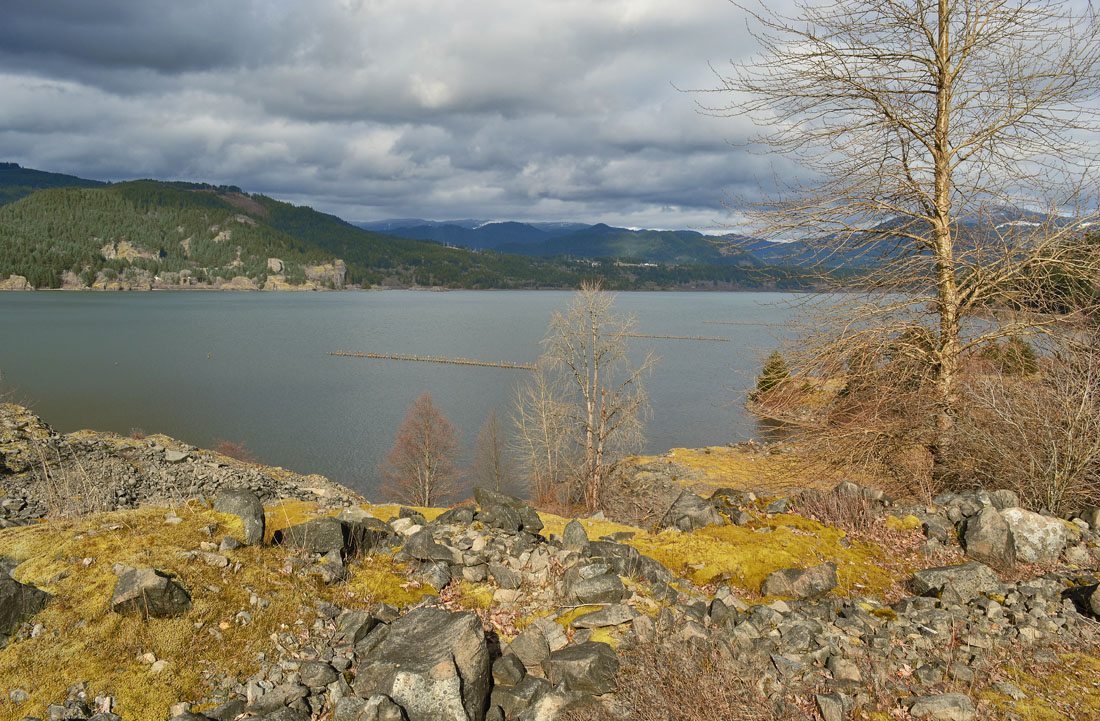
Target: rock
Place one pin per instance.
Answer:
(245, 505)
(575, 538)
(966, 581)
(433, 663)
(548, 706)
(844, 669)
(1037, 538)
(18, 602)
(366, 534)
(508, 670)
(627, 561)
(607, 588)
(171, 456)
(689, 512)
(423, 547)
(506, 512)
(457, 516)
(1003, 499)
(1091, 516)
(988, 539)
(149, 592)
(589, 667)
(521, 696)
(535, 644)
(801, 583)
(376, 708)
(942, 707)
(610, 616)
(504, 576)
(352, 626)
(831, 706)
(317, 674)
(320, 535)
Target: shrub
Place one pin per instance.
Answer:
(234, 450)
(774, 372)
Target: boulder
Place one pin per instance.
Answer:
(506, 512)
(149, 592)
(607, 588)
(367, 534)
(1091, 516)
(433, 663)
(575, 538)
(965, 582)
(1004, 498)
(1037, 538)
(320, 535)
(457, 516)
(18, 602)
(988, 539)
(423, 547)
(317, 674)
(689, 512)
(610, 616)
(627, 561)
(508, 670)
(535, 644)
(589, 667)
(942, 707)
(801, 583)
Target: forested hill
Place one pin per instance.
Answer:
(17, 182)
(151, 234)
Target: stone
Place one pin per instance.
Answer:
(610, 616)
(515, 699)
(966, 581)
(508, 670)
(366, 534)
(433, 663)
(352, 626)
(375, 708)
(1091, 516)
(149, 592)
(1004, 498)
(627, 561)
(317, 674)
(801, 583)
(1037, 538)
(987, 538)
(245, 505)
(575, 538)
(831, 706)
(423, 547)
(320, 535)
(589, 667)
(549, 705)
(942, 707)
(690, 512)
(171, 456)
(607, 588)
(844, 669)
(458, 516)
(18, 602)
(504, 576)
(502, 511)
(535, 644)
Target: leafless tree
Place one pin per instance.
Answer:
(544, 441)
(605, 397)
(420, 469)
(1038, 434)
(492, 465)
(917, 125)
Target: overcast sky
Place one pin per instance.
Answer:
(371, 109)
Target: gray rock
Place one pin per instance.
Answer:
(535, 644)
(1091, 516)
(1004, 498)
(627, 561)
(352, 626)
(498, 508)
(942, 707)
(367, 534)
(245, 505)
(575, 538)
(1037, 538)
(550, 705)
(423, 547)
(607, 588)
(317, 674)
(520, 697)
(589, 667)
(966, 581)
(689, 512)
(171, 456)
(610, 616)
(149, 592)
(320, 535)
(18, 602)
(988, 539)
(508, 670)
(284, 714)
(279, 697)
(844, 669)
(376, 708)
(504, 576)
(433, 663)
(458, 516)
(831, 706)
(801, 582)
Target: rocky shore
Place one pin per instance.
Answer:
(495, 611)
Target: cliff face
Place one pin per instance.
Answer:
(840, 603)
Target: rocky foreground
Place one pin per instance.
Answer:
(215, 600)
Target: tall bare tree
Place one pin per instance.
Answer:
(421, 467)
(543, 440)
(605, 398)
(917, 125)
(492, 465)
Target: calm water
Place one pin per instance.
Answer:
(253, 367)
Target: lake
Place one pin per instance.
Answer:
(253, 368)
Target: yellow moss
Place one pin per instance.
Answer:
(909, 523)
(84, 640)
(385, 513)
(566, 619)
(611, 635)
(473, 595)
(1069, 684)
(594, 529)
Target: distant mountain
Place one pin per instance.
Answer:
(17, 182)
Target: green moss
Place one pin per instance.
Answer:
(473, 595)
(909, 523)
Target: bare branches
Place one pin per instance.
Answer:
(420, 468)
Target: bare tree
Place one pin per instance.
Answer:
(492, 465)
(605, 397)
(926, 131)
(420, 469)
(543, 440)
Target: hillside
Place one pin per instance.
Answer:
(17, 182)
(214, 588)
(150, 234)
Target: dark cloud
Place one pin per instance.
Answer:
(385, 108)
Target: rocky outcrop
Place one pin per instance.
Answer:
(801, 583)
(690, 512)
(987, 538)
(18, 601)
(246, 506)
(149, 593)
(1036, 538)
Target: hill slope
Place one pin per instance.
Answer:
(17, 182)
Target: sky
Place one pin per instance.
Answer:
(534, 110)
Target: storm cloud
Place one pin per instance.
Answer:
(370, 109)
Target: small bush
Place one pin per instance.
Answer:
(234, 450)
(850, 513)
(774, 372)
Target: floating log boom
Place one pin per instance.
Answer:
(674, 337)
(433, 359)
